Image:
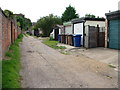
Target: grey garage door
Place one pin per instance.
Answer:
(114, 34)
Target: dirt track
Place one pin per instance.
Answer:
(44, 67)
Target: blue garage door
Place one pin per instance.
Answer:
(114, 34)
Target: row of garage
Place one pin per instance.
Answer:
(95, 32)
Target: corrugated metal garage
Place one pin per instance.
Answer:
(113, 29)
(113, 34)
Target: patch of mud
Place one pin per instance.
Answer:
(30, 51)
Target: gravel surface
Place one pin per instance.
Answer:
(44, 67)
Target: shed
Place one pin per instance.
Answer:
(113, 30)
(57, 29)
(80, 24)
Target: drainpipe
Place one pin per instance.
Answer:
(84, 33)
(72, 28)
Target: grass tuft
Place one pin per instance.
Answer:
(111, 66)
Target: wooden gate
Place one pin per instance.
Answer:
(101, 37)
(94, 37)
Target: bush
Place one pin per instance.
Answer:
(20, 36)
(51, 38)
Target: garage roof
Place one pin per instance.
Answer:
(67, 23)
(79, 20)
(113, 15)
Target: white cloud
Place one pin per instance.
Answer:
(34, 9)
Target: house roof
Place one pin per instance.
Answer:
(58, 26)
(83, 19)
(113, 15)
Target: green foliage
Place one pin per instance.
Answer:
(51, 38)
(11, 67)
(90, 16)
(46, 24)
(20, 37)
(28, 23)
(8, 54)
(23, 22)
(52, 44)
(8, 13)
(69, 14)
(20, 21)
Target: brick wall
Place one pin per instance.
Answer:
(8, 33)
(0, 35)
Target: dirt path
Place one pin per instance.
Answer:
(44, 67)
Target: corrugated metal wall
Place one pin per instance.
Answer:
(68, 29)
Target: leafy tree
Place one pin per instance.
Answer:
(90, 15)
(46, 24)
(20, 21)
(69, 14)
(23, 22)
(28, 23)
(8, 13)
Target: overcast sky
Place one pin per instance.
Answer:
(34, 9)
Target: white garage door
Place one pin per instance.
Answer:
(78, 29)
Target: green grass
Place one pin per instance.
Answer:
(52, 44)
(11, 66)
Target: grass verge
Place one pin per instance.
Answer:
(52, 44)
(11, 66)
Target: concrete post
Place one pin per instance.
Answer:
(106, 33)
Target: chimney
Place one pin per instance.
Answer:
(119, 5)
